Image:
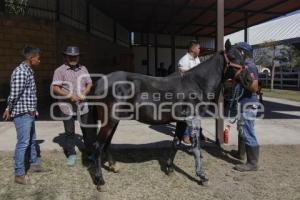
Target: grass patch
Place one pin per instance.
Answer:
(282, 94)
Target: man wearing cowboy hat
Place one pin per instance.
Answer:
(71, 83)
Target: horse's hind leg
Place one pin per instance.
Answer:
(111, 162)
(99, 181)
(102, 141)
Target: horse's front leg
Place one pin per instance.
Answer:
(99, 181)
(113, 166)
(194, 125)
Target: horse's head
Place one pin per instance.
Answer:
(235, 65)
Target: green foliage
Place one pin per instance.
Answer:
(16, 7)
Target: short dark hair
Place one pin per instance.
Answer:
(30, 51)
(192, 43)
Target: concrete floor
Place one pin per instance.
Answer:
(281, 125)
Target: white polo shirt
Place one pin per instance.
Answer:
(187, 62)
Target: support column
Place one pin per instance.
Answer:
(2, 6)
(57, 11)
(220, 46)
(115, 31)
(173, 51)
(88, 22)
(246, 28)
(155, 54)
(148, 55)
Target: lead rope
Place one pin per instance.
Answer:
(234, 101)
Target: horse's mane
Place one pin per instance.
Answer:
(203, 66)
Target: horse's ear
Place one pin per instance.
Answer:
(227, 45)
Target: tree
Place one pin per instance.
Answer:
(294, 57)
(265, 56)
(16, 7)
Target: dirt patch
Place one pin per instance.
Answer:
(142, 177)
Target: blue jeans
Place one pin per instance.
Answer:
(246, 126)
(26, 137)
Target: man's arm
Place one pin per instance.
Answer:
(17, 86)
(254, 75)
(88, 83)
(58, 91)
(254, 86)
(182, 71)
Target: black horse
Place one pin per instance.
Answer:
(157, 100)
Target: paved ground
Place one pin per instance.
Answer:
(281, 125)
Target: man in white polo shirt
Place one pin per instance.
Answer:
(190, 59)
(187, 62)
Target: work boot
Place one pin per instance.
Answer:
(241, 152)
(38, 169)
(252, 160)
(23, 180)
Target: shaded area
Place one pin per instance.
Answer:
(271, 107)
(278, 177)
(61, 141)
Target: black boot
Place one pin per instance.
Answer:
(241, 149)
(241, 152)
(252, 159)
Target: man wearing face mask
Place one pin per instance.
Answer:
(248, 144)
(72, 82)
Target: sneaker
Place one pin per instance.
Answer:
(38, 169)
(71, 160)
(23, 180)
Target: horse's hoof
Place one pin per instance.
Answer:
(99, 188)
(204, 182)
(114, 168)
(169, 171)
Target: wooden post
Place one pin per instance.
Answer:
(299, 79)
(57, 11)
(220, 46)
(2, 6)
(281, 81)
(155, 54)
(88, 22)
(246, 28)
(115, 31)
(148, 55)
(173, 51)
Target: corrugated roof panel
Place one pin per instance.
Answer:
(278, 29)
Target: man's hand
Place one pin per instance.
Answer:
(6, 115)
(74, 99)
(81, 97)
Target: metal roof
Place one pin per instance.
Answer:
(279, 29)
(192, 17)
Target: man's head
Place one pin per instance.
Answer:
(31, 55)
(194, 48)
(72, 54)
(246, 49)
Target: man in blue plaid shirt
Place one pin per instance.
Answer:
(22, 104)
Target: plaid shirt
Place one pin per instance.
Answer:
(22, 98)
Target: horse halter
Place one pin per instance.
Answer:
(239, 67)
